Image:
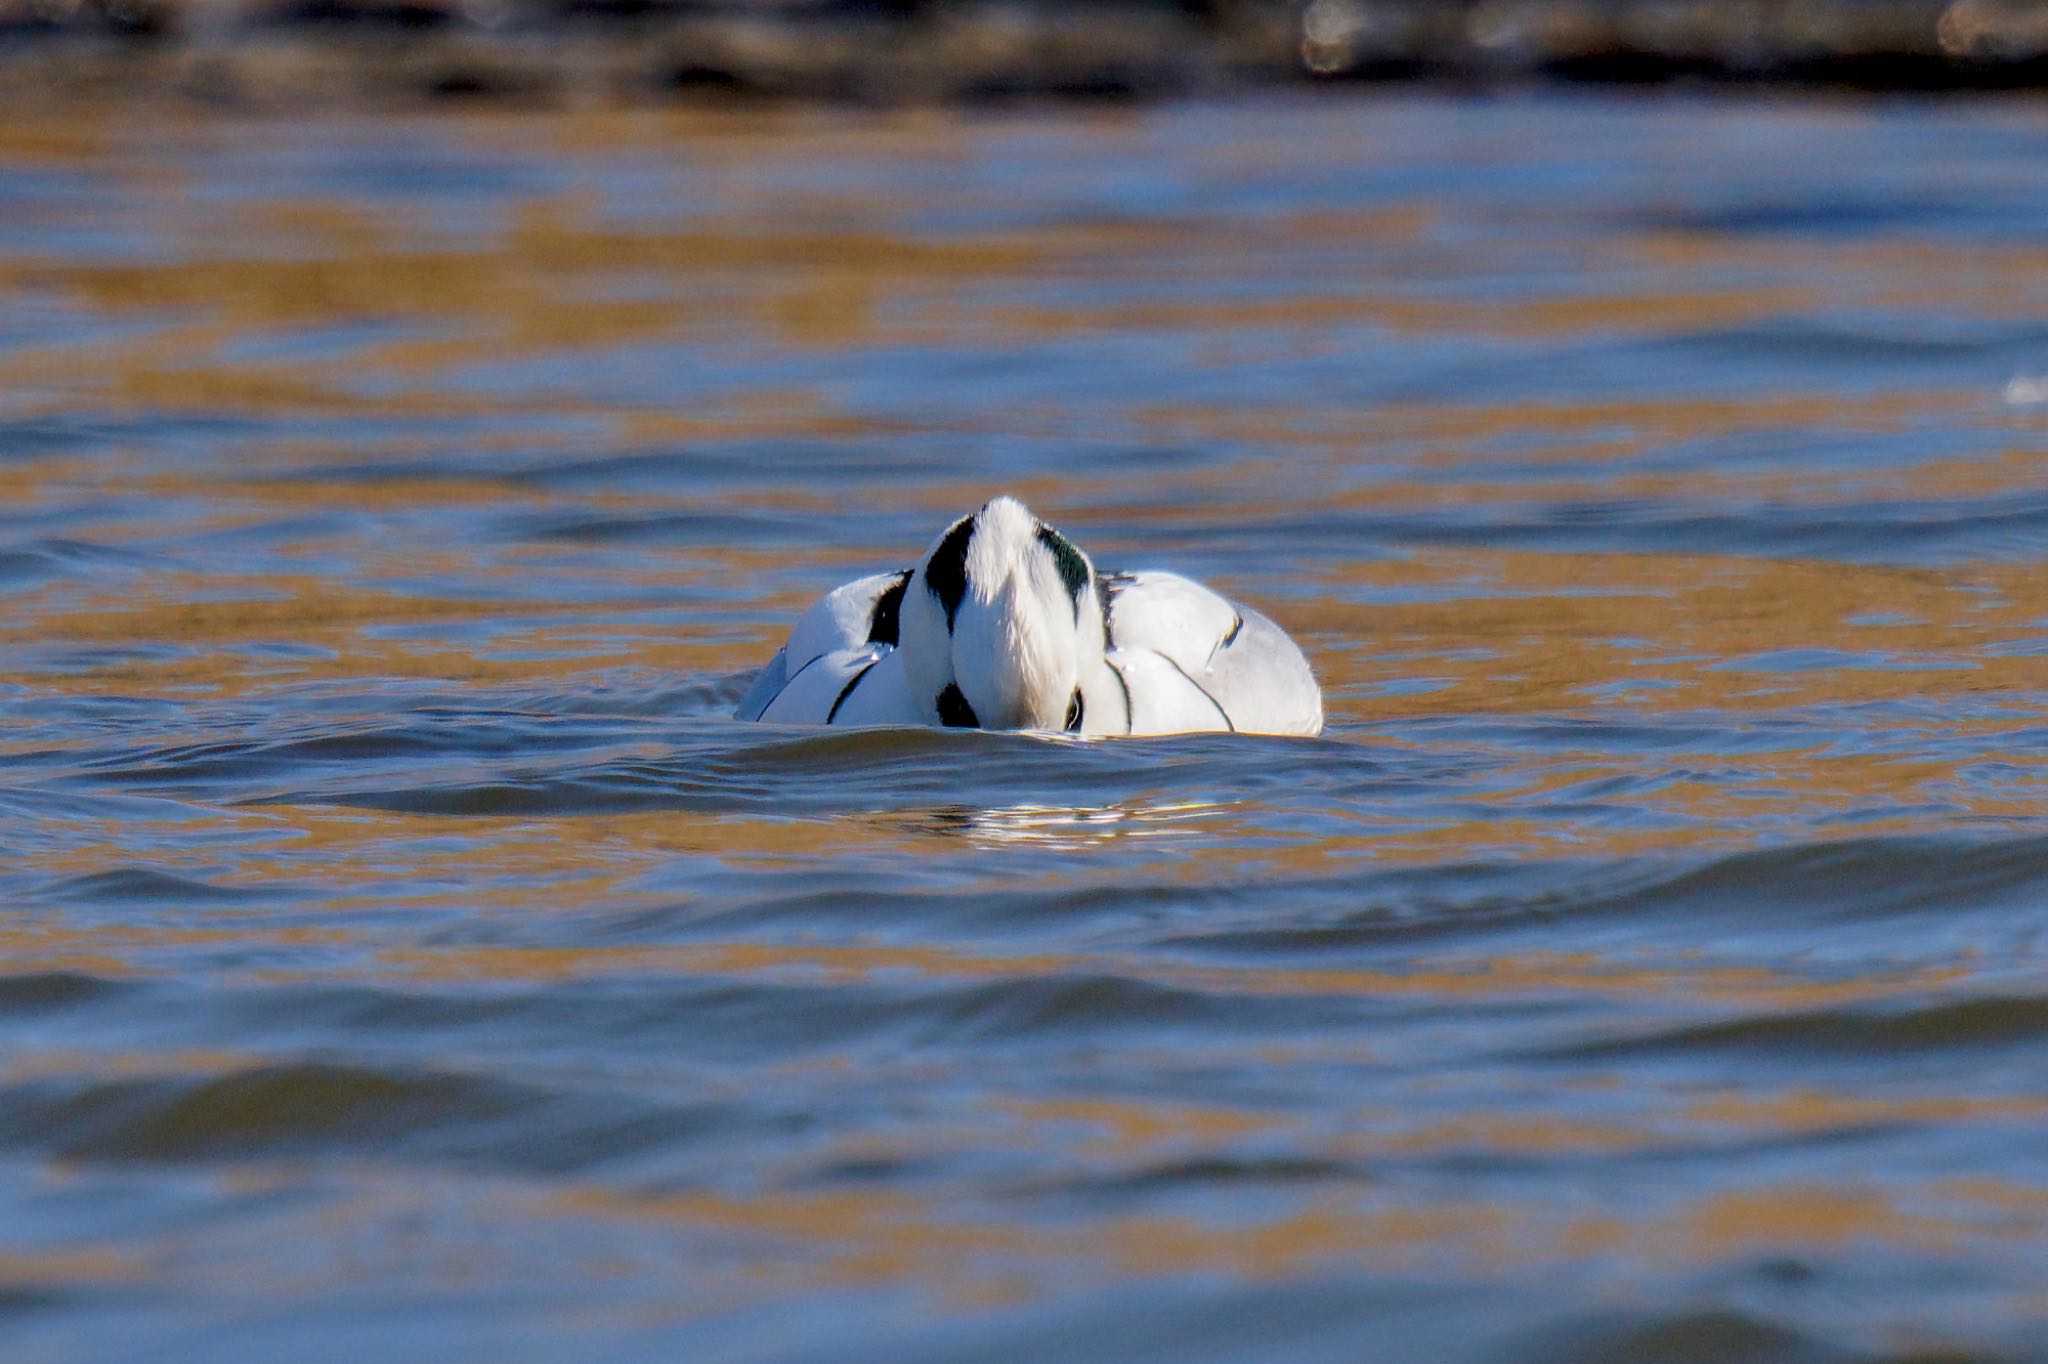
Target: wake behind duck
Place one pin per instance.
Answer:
(1005, 624)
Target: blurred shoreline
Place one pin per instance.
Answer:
(291, 54)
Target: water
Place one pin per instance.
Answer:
(405, 958)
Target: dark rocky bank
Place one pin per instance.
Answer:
(293, 53)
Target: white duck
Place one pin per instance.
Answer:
(1004, 624)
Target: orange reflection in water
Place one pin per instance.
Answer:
(277, 566)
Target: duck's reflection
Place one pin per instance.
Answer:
(1065, 826)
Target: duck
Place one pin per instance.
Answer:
(1005, 624)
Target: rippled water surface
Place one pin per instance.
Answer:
(402, 957)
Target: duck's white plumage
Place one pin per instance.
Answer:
(1004, 624)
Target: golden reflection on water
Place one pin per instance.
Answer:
(1545, 622)
(1694, 637)
(878, 1237)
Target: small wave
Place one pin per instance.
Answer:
(16, 1299)
(1846, 881)
(295, 1109)
(633, 692)
(1918, 532)
(1820, 215)
(252, 769)
(47, 991)
(151, 885)
(765, 769)
(1694, 1337)
(40, 437)
(267, 1110)
(2006, 1021)
(35, 562)
(1845, 885)
(1217, 1171)
(1041, 1006)
(714, 529)
(709, 1017)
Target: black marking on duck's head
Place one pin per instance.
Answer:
(954, 712)
(1073, 567)
(1001, 622)
(945, 572)
(885, 622)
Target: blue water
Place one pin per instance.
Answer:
(403, 956)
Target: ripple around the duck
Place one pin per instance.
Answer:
(771, 770)
(242, 768)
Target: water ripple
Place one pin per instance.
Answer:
(404, 956)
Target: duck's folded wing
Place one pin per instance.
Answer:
(847, 687)
(1242, 662)
(1165, 700)
(849, 619)
(813, 691)
(766, 686)
(878, 695)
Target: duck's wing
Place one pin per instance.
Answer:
(857, 620)
(879, 694)
(1195, 660)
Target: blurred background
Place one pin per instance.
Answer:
(418, 419)
(298, 52)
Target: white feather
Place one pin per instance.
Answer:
(883, 697)
(807, 698)
(1164, 700)
(1235, 654)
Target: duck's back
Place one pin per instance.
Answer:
(1184, 659)
(1187, 652)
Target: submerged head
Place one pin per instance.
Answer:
(1002, 623)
